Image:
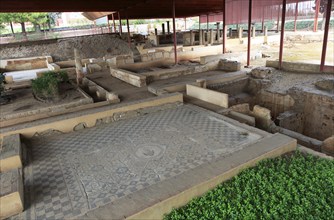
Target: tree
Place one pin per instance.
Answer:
(6, 18)
(37, 19)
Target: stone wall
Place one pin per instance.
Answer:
(91, 46)
(298, 67)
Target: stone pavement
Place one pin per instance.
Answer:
(70, 174)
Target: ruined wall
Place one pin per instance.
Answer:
(319, 116)
(91, 46)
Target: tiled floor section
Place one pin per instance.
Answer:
(73, 173)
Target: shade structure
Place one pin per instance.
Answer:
(236, 10)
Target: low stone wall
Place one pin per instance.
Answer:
(207, 95)
(298, 67)
(88, 118)
(129, 77)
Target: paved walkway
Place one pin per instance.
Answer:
(73, 173)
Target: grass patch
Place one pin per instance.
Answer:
(287, 187)
(46, 87)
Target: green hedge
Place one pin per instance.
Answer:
(288, 187)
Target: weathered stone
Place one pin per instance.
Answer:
(80, 126)
(10, 153)
(326, 84)
(125, 115)
(328, 146)
(261, 72)
(93, 67)
(242, 108)
(229, 65)
(262, 116)
(11, 193)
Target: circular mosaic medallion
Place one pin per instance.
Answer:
(149, 151)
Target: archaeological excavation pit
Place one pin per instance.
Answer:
(133, 114)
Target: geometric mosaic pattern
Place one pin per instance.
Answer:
(73, 173)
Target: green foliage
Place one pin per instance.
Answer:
(36, 18)
(47, 86)
(288, 187)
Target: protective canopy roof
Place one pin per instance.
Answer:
(147, 9)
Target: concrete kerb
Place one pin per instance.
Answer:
(66, 123)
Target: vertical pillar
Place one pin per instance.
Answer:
(128, 26)
(199, 22)
(224, 26)
(207, 22)
(253, 31)
(108, 25)
(265, 35)
(317, 7)
(282, 35)
(185, 23)
(325, 40)
(168, 29)
(218, 32)
(156, 32)
(262, 19)
(278, 15)
(200, 37)
(163, 29)
(240, 33)
(120, 23)
(211, 36)
(113, 22)
(174, 32)
(296, 15)
(191, 37)
(249, 30)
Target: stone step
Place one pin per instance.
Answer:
(11, 193)
(10, 153)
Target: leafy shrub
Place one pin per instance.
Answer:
(288, 187)
(47, 86)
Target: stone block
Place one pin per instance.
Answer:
(328, 146)
(158, 55)
(242, 118)
(326, 84)
(112, 97)
(129, 77)
(11, 193)
(112, 62)
(262, 116)
(207, 95)
(241, 108)
(261, 72)
(11, 153)
(229, 65)
(53, 67)
(93, 67)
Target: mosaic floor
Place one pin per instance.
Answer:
(76, 172)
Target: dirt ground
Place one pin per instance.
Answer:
(125, 91)
(298, 47)
(23, 101)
